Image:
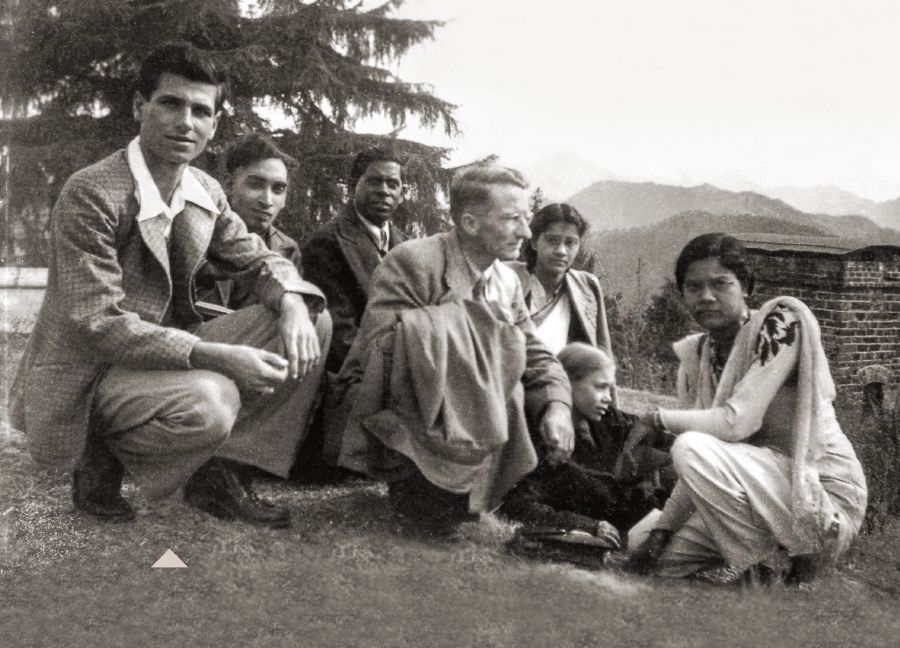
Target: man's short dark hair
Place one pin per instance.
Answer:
(369, 155)
(254, 147)
(185, 60)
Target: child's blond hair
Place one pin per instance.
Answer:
(581, 360)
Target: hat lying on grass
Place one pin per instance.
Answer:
(562, 545)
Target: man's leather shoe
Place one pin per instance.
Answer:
(97, 482)
(803, 571)
(102, 500)
(216, 489)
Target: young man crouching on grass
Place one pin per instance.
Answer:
(120, 373)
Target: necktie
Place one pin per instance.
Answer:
(479, 290)
(384, 242)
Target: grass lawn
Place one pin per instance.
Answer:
(342, 576)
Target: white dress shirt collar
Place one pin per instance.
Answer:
(489, 277)
(147, 193)
(381, 235)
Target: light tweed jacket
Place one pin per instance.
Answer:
(109, 289)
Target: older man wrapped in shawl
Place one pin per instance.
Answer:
(446, 373)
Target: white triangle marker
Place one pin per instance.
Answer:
(169, 561)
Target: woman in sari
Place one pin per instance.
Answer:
(566, 304)
(766, 476)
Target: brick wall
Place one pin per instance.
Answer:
(856, 298)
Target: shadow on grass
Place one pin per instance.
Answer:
(342, 576)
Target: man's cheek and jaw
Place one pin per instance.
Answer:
(257, 193)
(247, 205)
(512, 249)
(502, 235)
(177, 120)
(379, 192)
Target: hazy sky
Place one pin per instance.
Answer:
(769, 91)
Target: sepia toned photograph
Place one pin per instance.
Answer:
(426, 323)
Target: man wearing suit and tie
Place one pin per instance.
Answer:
(341, 258)
(119, 373)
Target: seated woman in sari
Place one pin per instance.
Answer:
(566, 304)
(766, 476)
(591, 491)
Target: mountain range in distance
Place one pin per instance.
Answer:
(833, 200)
(636, 262)
(637, 229)
(564, 175)
(611, 205)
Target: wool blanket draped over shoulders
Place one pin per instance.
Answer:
(814, 428)
(444, 389)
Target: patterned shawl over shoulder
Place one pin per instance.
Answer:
(697, 388)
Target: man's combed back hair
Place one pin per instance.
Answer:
(367, 156)
(730, 252)
(182, 59)
(580, 360)
(471, 186)
(252, 148)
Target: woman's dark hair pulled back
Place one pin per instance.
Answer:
(730, 252)
(547, 216)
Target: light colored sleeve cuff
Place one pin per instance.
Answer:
(712, 421)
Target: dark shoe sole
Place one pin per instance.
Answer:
(121, 511)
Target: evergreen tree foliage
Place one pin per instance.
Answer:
(67, 92)
(536, 200)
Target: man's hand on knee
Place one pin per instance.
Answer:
(298, 335)
(253, 370)
(557, 432)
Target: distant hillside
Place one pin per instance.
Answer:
(835, 201)
(610, 204)
(613, 205)
(562, 174)
(657, 247)
(824, 199)
(887, 214)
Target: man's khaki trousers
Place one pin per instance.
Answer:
(164, 425)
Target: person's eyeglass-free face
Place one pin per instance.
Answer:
(556, 247)
(714, 295)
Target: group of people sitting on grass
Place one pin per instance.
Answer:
(185, 340)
